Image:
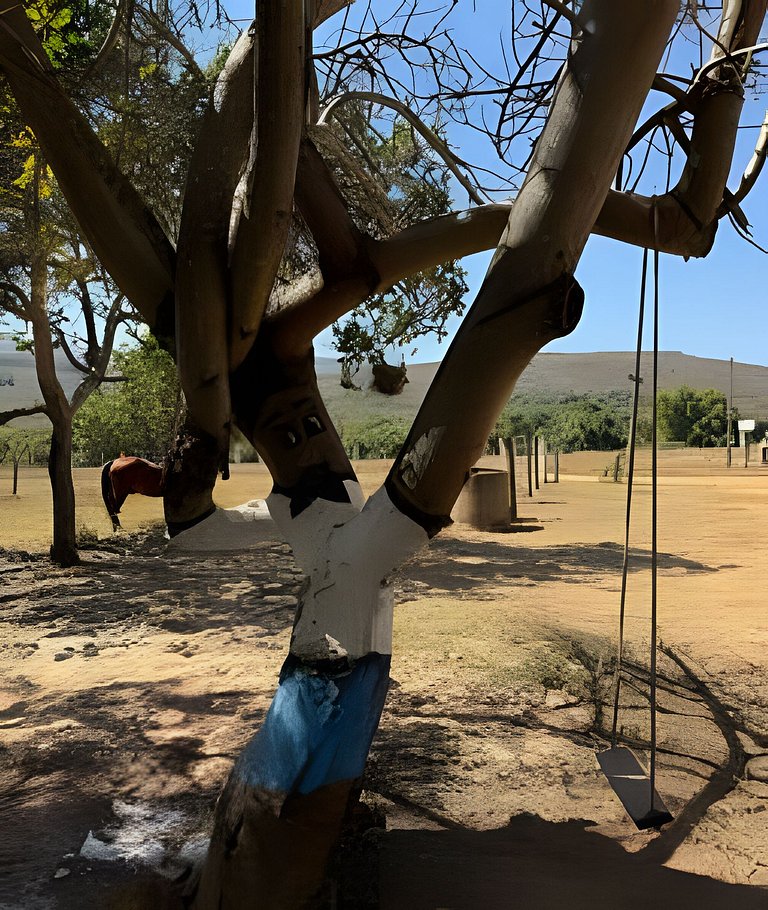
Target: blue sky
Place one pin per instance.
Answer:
(709, 308)
(713, 307)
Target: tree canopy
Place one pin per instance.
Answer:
(697, 417)
(137, 416)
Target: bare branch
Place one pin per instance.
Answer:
(155, 22)
(111, 39)
(433, 140)
(6, 416)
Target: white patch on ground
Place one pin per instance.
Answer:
(140, 835)
(238, 528)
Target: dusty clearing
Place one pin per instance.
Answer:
(131, 682)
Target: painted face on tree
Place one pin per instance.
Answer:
(306, 458)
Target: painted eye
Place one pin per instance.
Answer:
(313, 425)
(292, 439)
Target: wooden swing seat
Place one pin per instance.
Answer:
(631, 783)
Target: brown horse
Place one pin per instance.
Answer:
(125, 475)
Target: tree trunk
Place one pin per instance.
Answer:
(64, 545)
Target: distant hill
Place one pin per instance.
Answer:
(562, 374)
(555, 374)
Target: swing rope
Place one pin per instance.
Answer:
(654, 511)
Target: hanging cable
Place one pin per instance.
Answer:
(654, 501)
(627, 524)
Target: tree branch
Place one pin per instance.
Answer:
(432, 139)
(529, 295)
(20, 312)
(263, 228)
(202, 291)
(155, 22)
(110, 41)
(6, 416)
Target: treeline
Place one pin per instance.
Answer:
(138, 416)
(696, 418)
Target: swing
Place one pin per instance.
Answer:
(633, 784)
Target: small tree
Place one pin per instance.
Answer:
(138, 416)
(376, 437)
(18, 445)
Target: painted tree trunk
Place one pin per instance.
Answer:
(281, 810)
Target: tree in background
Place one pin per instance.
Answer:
(375, 437)
(568, 423)
(567, 118)
(19, 444)
(587, 424)
(138, 416)
(696, 417)
(49, 276)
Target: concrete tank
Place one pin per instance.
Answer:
(484, 501)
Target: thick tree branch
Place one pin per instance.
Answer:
(529, 295)
(20, 310)
(263, 227)
(340, 244)
(201, 280)
(111, 39)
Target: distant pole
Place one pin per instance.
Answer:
(536, 460)
(730, 420)
(557, 465)
(544, 446)
(528, 446)
(509, 451)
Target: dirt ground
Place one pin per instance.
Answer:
(129, 684)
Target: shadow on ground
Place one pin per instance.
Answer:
(451, 564)
(539, 865)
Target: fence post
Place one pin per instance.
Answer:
(557, 466)
(509, 451)
(528, 446)
(536, 460)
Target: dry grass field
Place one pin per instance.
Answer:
(482, 783)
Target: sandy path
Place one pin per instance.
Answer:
(484, 766)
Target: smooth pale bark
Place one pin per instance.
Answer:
(122, 232)
(529, 296)
(202, 287)
(266, 218)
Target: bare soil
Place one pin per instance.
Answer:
(129, 684)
